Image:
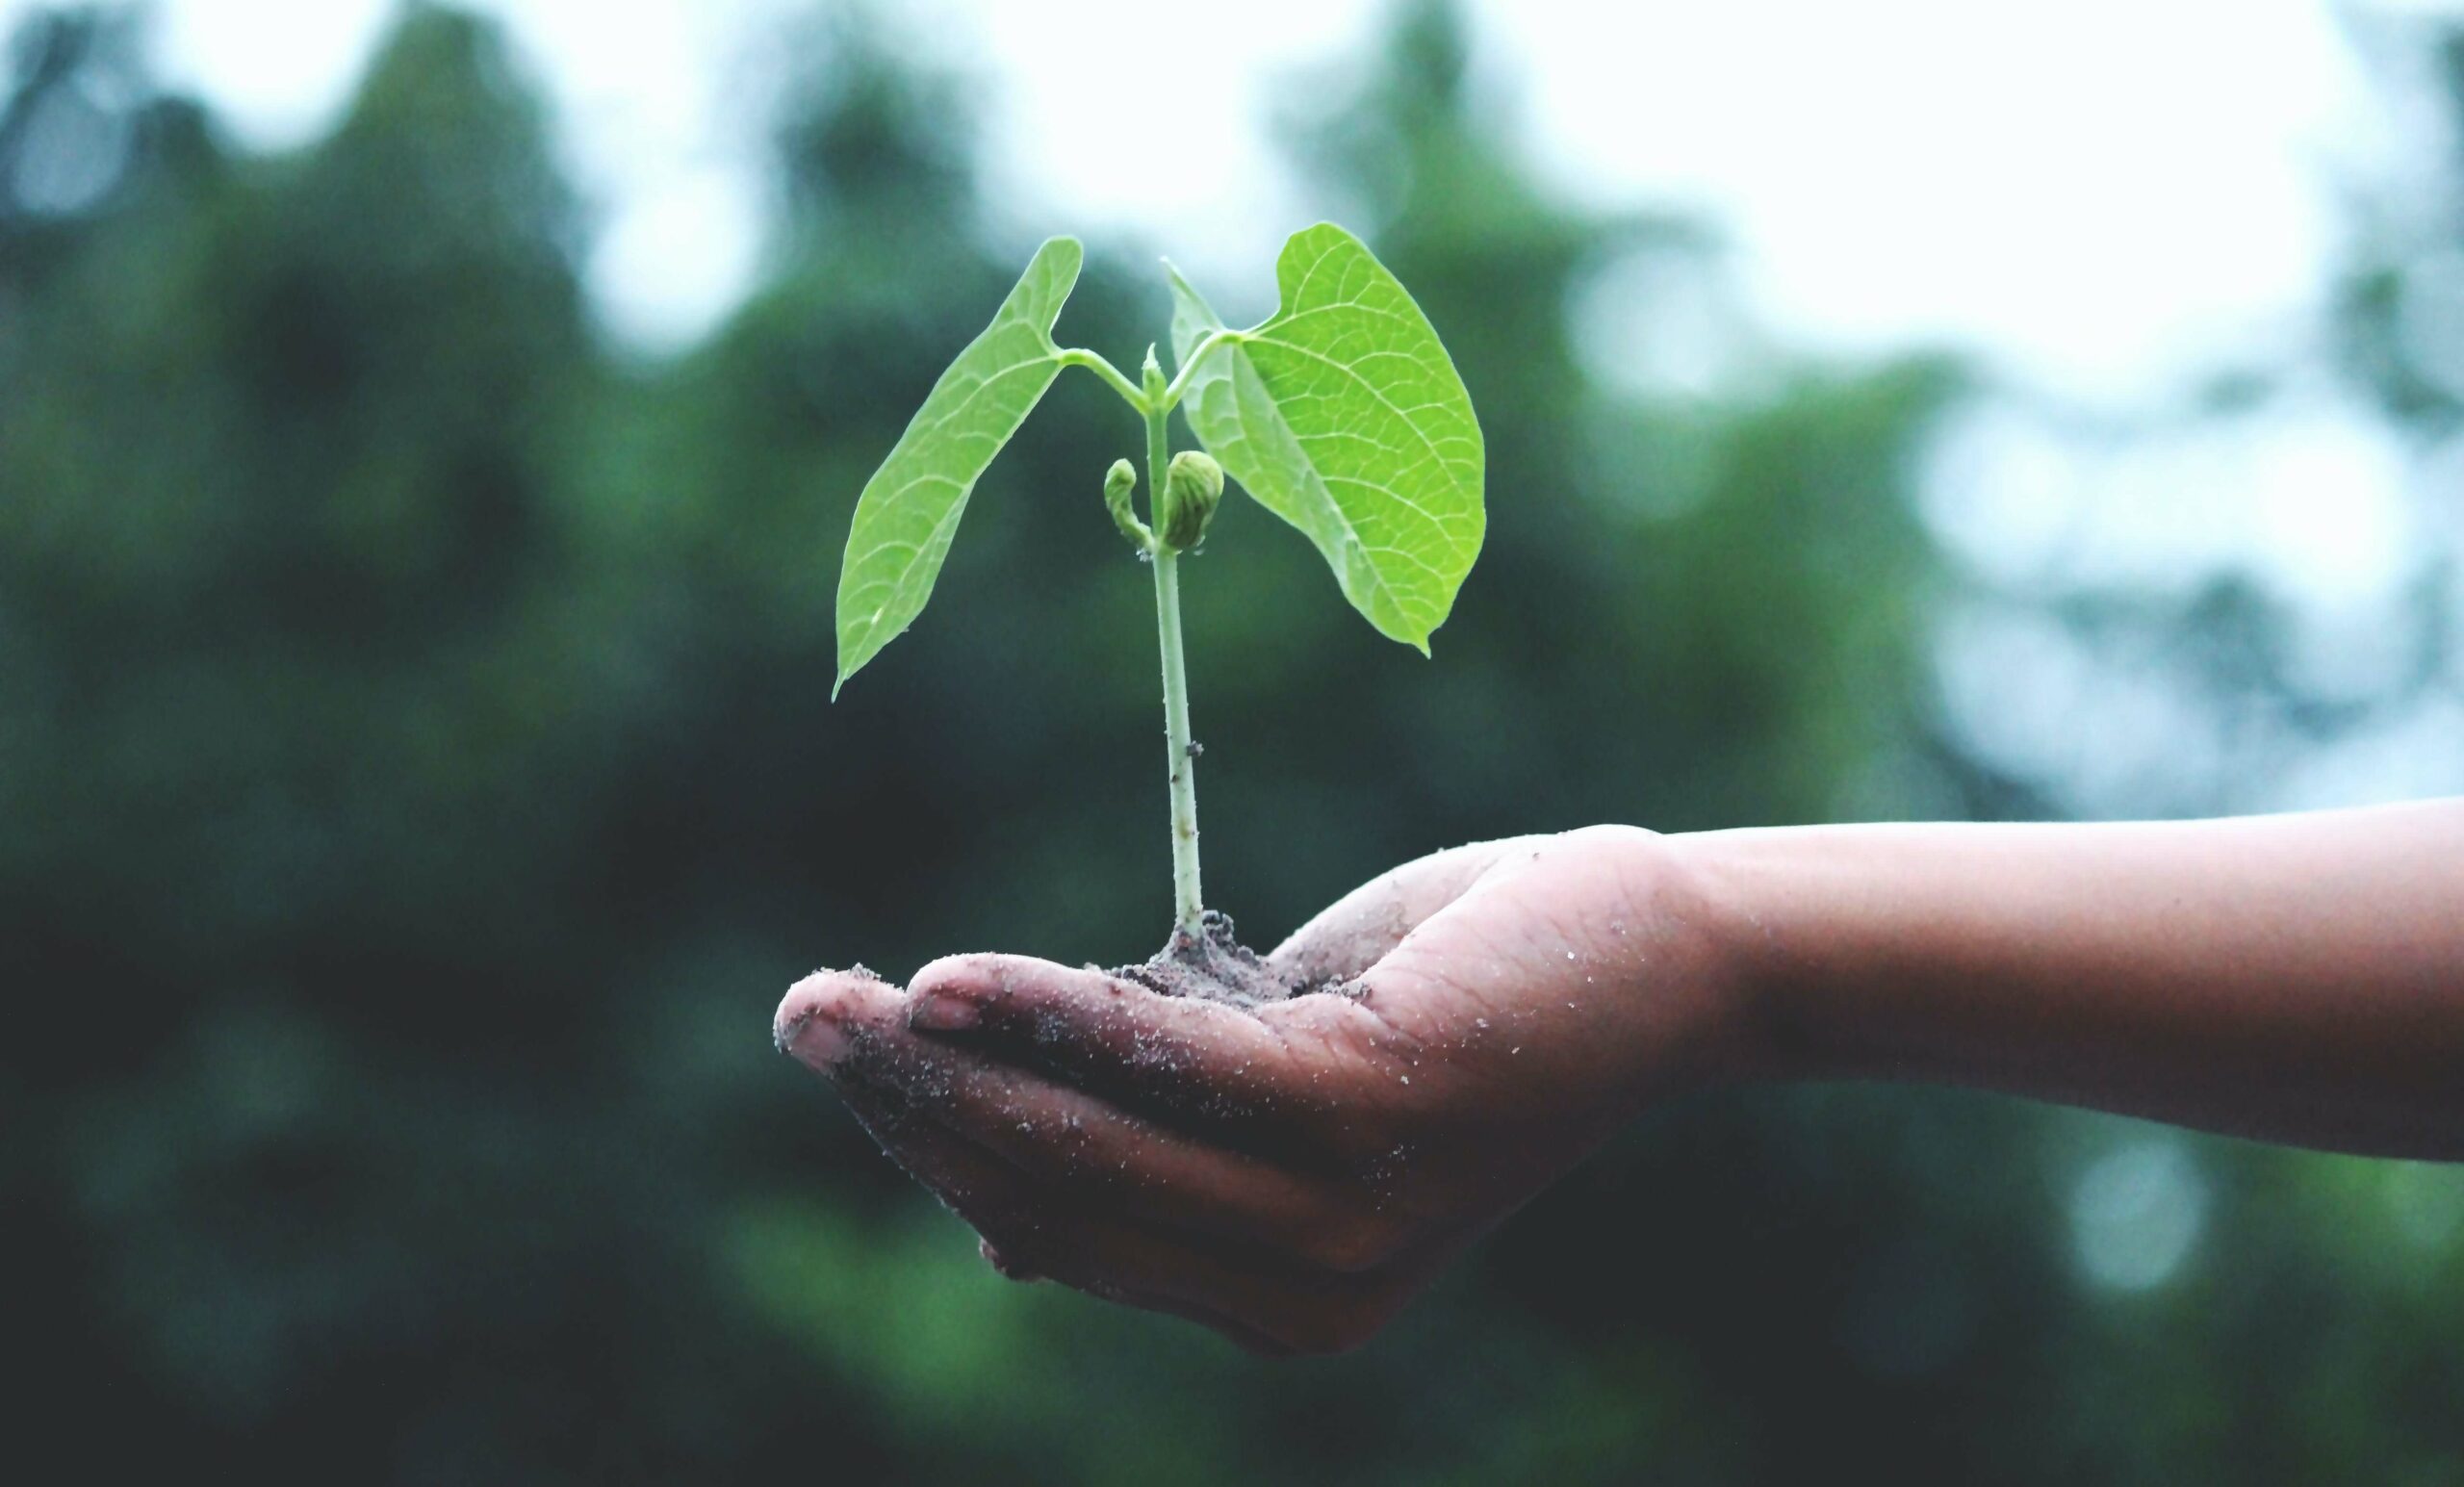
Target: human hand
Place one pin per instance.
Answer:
(1292, 1175)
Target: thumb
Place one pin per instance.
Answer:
(1364, 926)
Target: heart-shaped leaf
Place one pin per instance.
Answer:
(1343, 415)
(910, 507)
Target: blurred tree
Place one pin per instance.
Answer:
(304, 713)
(419, 784)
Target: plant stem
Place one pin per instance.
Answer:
(1092, 361)
(1187, 903)
(1197, 353)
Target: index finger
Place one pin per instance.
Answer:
(1188, 1060)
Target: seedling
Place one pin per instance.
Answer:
(1341, 413)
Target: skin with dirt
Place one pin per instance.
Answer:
(1328, 953)
(1217, 967)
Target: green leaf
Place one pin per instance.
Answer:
(910, 507)
(1344, 416)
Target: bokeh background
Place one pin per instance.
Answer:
(427, 438)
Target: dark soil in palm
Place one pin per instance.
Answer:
(1214, 965)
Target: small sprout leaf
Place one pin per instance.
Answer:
(1344, 415)
(1193, 488)
(910, 507)
(1118, 483)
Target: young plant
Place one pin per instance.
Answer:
(1341, 413)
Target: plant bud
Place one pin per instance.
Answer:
(1193, 488)
(1118, 483)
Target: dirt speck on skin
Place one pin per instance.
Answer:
(1216, 966)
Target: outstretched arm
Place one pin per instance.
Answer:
(1292, 1175)
(2296, 978)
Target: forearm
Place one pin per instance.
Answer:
(2294, 978)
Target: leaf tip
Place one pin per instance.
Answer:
(1067, 251)
(1315, 228)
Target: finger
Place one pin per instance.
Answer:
(1310, 1084)
(809, 1022)
(844, 1023)
(1358, 930)
(1262, 1305)
(853, 1026)
(1072, 1143)
(1194, 1064)
(1020, 1234)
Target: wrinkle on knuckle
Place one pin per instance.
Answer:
(1314, 1044)
(1358, 1040)
(1391, 1039)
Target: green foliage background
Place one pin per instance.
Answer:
(417, 785)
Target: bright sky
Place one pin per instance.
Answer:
(2101, 193)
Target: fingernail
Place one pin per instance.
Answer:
(803, 1026)
(935, 1013)
(819, 1042)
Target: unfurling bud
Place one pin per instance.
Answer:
(1118, 483)
(1193, 488)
